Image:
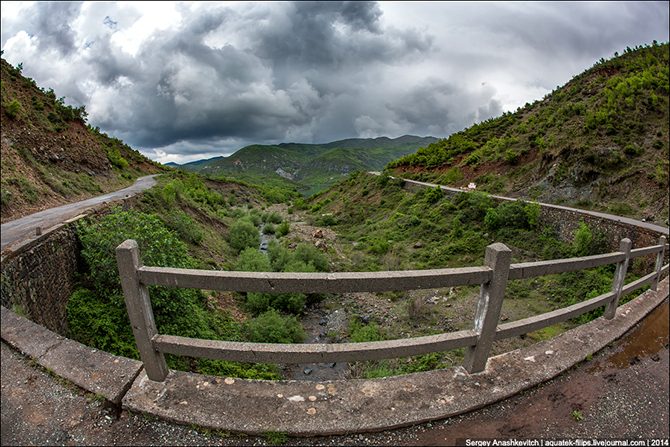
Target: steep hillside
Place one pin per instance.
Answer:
(598, 142)
(310, 167)
(50, 156)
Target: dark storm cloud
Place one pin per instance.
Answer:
(276, 80)
(51, 22)
(228, 74)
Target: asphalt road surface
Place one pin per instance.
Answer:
(19, 229)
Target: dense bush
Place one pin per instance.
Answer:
(272, 327)
(283, 229)
(311, 255)
(252, 260)
(517, 214)
(243, 234)
(587, 242)
(13, 109)
(97, 315)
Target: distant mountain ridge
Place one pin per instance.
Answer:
(311, 167)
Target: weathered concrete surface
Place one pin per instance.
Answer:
(348, 406)
(95, 371)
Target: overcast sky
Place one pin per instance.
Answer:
(185, 81)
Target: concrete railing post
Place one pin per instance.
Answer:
(140, 313)
(619, 278)
(660, 257)
(498, 257)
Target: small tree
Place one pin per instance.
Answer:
(243, 234)
(272, 327)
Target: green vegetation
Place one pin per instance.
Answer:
(272, 327)
(96, 312)
(600, 139)
(308, 168)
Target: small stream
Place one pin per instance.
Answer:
(314, 324)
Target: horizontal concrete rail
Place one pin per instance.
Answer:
(646, 251)
(492, 277)
(313, 282)
(312, 353)
(641, 282)
(538, 322)
(540, 268)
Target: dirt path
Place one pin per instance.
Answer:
(621, 393)
(19, 229)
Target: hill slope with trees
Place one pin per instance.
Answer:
(599, 142)
(309, 167)
(50, 156)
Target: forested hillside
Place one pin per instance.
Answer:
(598, 142)
(309, 167)
(50, 156)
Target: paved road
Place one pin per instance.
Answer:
(19, 229)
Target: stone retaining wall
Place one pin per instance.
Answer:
(566, 221)
(38, 276)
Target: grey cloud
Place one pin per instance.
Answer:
(317, 71)
(51, 21)
(186, 90)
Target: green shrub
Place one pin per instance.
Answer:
(283, 229)
(186, 228)
(433, 195)
(512, 156)
(587, 242)
(279, 256)
(252, 260)
(359, 332)
(326, 220)
(269, 228)
(517, 214)
(273, 218)
(311, 255)
(99, 323)
(272, 327)
(177, 311)
(293, 303)
(243, 234)
(13, 109)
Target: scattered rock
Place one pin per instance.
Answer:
(418, 245)
(321, 245)
(307, 371)
(318, 234)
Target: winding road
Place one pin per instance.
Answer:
(612, 217)
(19, 229)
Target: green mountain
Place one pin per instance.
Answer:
(598, 142)
(50, 156)
(310, 167)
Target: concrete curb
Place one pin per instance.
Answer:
(95, 371)
(305, 408)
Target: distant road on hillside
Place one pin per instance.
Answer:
(626, 220)
(19, 229)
